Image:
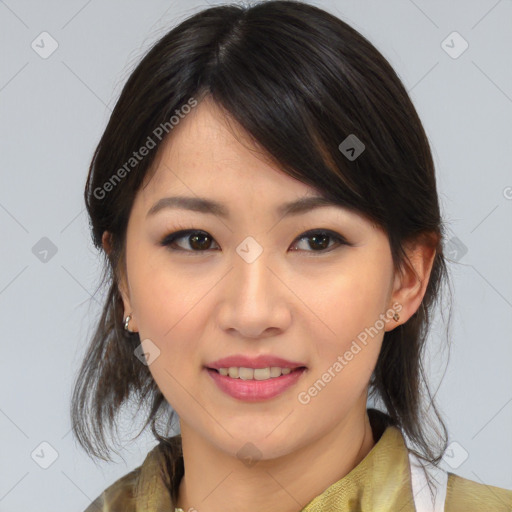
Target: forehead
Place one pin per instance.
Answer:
(208, 163)
(208, 153)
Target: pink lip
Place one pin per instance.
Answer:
(254, 390)
(262, 361)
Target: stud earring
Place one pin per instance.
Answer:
(126, 321)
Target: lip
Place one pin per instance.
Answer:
(261, 361)
(255, 390)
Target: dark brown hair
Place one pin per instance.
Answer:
(299, 81)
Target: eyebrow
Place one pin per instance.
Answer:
(203, 205)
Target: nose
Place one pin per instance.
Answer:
(255, 301)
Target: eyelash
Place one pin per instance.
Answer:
(170, 239)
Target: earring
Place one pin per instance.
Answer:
(126, 320)
(396, 317)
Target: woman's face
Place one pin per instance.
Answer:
(252, 283)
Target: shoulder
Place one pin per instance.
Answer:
(468, 496)
(118, 496)
(124, 493)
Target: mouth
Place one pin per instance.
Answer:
(255, 384)
(259, 374)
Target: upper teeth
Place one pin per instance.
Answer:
(254, 373)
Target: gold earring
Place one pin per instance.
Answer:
(396, 317)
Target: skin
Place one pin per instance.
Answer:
(303, 305)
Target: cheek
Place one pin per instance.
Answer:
(167, 308)
(343, 365)
(349, 336)
(347, 300)
(163, 296)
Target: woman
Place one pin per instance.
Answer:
(265, 197)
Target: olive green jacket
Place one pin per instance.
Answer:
(386, 480)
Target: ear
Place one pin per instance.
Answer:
(106, 240)
(410, 282)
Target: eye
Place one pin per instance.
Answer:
(200, 241)
(319, 240)
(197, 239)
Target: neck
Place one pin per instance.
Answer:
(215, 481)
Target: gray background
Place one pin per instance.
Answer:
(52, 114)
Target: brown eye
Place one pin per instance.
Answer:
(319, 240)
(197, 241)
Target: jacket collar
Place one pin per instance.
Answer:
(381, 482)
